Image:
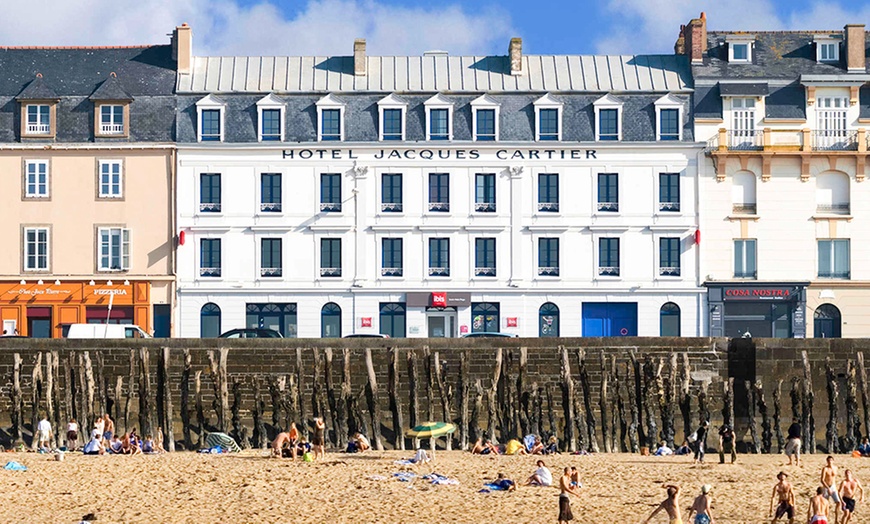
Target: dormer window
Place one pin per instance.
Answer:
(439, 118)
(740, 48)
(608, 118)
(112, 119)
(484, 116)
(270, 113)
(38, 119)
(548, 124)
(111, 109)
(330, 115)
(38, 103)
(669, 118)
(392, 110)
(827, 48)
(210, 112)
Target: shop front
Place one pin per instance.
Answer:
(441, 311)
(739, 309)
(45, 310)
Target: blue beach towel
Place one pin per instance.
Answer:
(529, 441)
(405, 476)
(14, 466)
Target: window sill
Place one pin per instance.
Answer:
(116, 135)
(743, 217)
(832, 216)
(112, 270)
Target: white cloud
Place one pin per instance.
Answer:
(323, 27)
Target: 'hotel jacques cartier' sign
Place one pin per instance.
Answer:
(430, 154)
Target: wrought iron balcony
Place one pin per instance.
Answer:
(330, 271)
(330, 207)
(270, 207)
(439, 271)
(669, 271)
(271, 272)
(744, 209)
(441, 207)
(548, 207)
(210, 207)
(834, 140)
(391, 207)
(484, 207)
(484, 271)
(833, 209)
(548, 271)
(391, 271)
(610, 207)
(209, 271)
(608, 271)
(669, 206)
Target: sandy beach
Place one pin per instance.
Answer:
(250, 487)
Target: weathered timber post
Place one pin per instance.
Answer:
(101, 396)
(624, 425)
(216, 387)
(853, 432)
(602, 404)
(631, 393)
(617, 429)
(358, 420)
(669, 402)
(865, 399)
(185, 401)
(117, 413)
(551, 412)
(755, 442)
(300, 402)
(522, 394)
(777, 410)
(17, 418)
(428, 377)
(464, 392)
(342, 406)
(235, 411)
(317, 386)
(650, 401)
(703, 410)
(162, 388)
(685, 396)
(728, 402)
(492, 419)
(201, 420)
(474, 431)
(223, 397)
(797, 400)
(506, 415)
(84, 407)
(170, 414)
(639, 393)
(60, 418)
(373, 402)
(809, 425)
(35, 394)
(580, 422)
(570, 442)
(340, 435)
(91, 388)
(69, 388)
(293, 402)
(395, 407)
(145, 392)
(275, 397)
(128, 400)
(536, 412)
(587, 402)
(766, 433)
(831, 433)
(443, 393)
(413, 403)
(260, 440)
(49, 398)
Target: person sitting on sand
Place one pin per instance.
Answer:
(575, 477)
(484, 447)
(148, 445)
(864, 447)
(282, 442)
(361, 443)
(541, 476)
(72, 434)
(115, 445)
(505, 483)
(421, 457)
(514, 447)
(671, 505)
(565, 487)
(702, 507)
(817, 511)
(848, 489)
(552, 446)
(537, 447)
(663, 450)
(783, 493)
(684, 449)
(94, 447)
(130, 444)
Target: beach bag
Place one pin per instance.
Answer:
(856, 454)
(307, 457)
(693, 437)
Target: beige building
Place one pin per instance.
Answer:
(87, 169)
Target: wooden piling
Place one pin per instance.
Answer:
(145, 418)
(339, 434)
(317, 386)
(201, 419)
(703, 410)
(223, 397)
(85, 413)
(669, 401)
(650, 402)
(755, 442)
(101, 399)
(620, 386)
(522, 395)
(128, 400)
(728, 402)
(117, 413)
(474, 431)
(685, 396)
(443, 392)
(639, 394)
(69, 388)
(587, 402)
(429, 378)
(260, 437)
(551, 411)
(777, 416)
(17, 418)
(617, 424)
(602, 404)
(492, 406)
(413, 403)
(300, 391)
(536, 410)
(162, 389)
(631, 400)
(344, 395)
(797, 402)
(49, 398)
(766, 432)
(464, 388)
(567, 383)
(168, 431)
(809, 425)
(185, 400)
(853, 432)
(373, 402)
(580, 422)
(235, 411)
(395, 406)
(862, 385)
(35, 394)
(831, 433)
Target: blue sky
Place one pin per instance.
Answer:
(401, 27)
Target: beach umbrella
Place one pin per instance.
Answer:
(431, 430)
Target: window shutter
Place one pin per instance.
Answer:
(125, 249)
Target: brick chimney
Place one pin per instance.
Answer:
(680, 44)
(695, 39)
(359, 57)
(515, 53)
(182, 47)
(855, 48)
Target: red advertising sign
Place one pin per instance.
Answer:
(439, 299)
(463, 329)
(365, 322)
(512, 322)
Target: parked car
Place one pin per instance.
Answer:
(366, 335)
(490, 334)
(106, 331)
(251, 333)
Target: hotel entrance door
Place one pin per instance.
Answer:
(441, 323)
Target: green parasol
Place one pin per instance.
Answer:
(431, 430)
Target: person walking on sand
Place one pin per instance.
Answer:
(793, 444)
(783, 493)
(702, 507)
(671, 505)
(700, 441)
(566, 487)
(726, 443)
(43, 434)
(319, 440)
(848, 489)
(828, 484)
(817, 511)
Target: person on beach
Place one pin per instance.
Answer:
(72, 434)
(700, 441)
(360, 442)
(828, 481)
(566, 487)
(726, 443)
(537, 447)
(784, 495)
(575, 477)
(43, 434)
(115, 446)
(158, 441)
(505, 483)
(864, 447)
(541, 476)
(671, 505)
(293, 431)
(848, 489)
(108, 427)
(702, 507)
(793, 444)
(817, 511)
(684, 449)
(94, 447)
(281, 443)
(514, 447)
(99, 427)
(663, 450)
(319, 440)
(484, 447)
(552, 446)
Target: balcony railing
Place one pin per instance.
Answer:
(669, 271)
(548, 207)
(209, 271)
(548, 271)
(391, 207)
(38, 129)
(330, 207)
(843, 275)
(484, 207)
(833, 209)
(608, 271)
(669, 206)
(746, 274)
(330, 271)
(610, 207)
(834, 140)
(484, 271)
(790, 139)
(271, 272)
(744, 209)
(439, 271)
(391, 271)
(210, 207)
(112, 129)
(270, 207)
(745, 139)
(440, 207)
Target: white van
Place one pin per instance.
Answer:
(106, 331)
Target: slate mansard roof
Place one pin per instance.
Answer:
(80, 76)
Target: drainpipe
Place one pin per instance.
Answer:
(699, 277)
(173, 253)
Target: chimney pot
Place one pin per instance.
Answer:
(855, 48)
(359, 57)
(515, 53)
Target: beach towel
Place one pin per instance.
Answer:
(404, 462)
(223, 440)
(494, 487)
(405, 476)
(14, 466)
(529, 441)
(440, 480)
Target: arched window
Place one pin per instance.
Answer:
(393, 319)
(209, 321)
(669, 320)
(484, 317)
(330, 321)
(827, 322)
(832, 193)
(743, 193)
(548, 320)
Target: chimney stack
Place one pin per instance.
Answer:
(182, 47)
(359, 57)
(515, 52)
(855, 48)
(695, 39)
(680, 44)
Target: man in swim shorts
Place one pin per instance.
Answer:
(671, 505)
(793, 444)
(817, 511)
(848, 489)
(829, 486)
(702, 507)
(783, 493)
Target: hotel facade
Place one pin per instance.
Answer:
(436, 195)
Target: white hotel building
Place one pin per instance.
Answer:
(438, 195)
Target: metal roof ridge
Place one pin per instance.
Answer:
(76, 47)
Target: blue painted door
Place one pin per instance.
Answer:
(610, 319)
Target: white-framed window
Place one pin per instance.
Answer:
(111, 119)
(439, 118)
(827, 49)
(111, 181)
(548, 118)
(392, 118)
(330, 119)
(36, 183)
(210, 116)
(270, 118)
(38, 119)
(484, 119)
(608, 118)
(36, 246)
(740, 48)
(113, 249)
(743, 133)
(669, 118)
